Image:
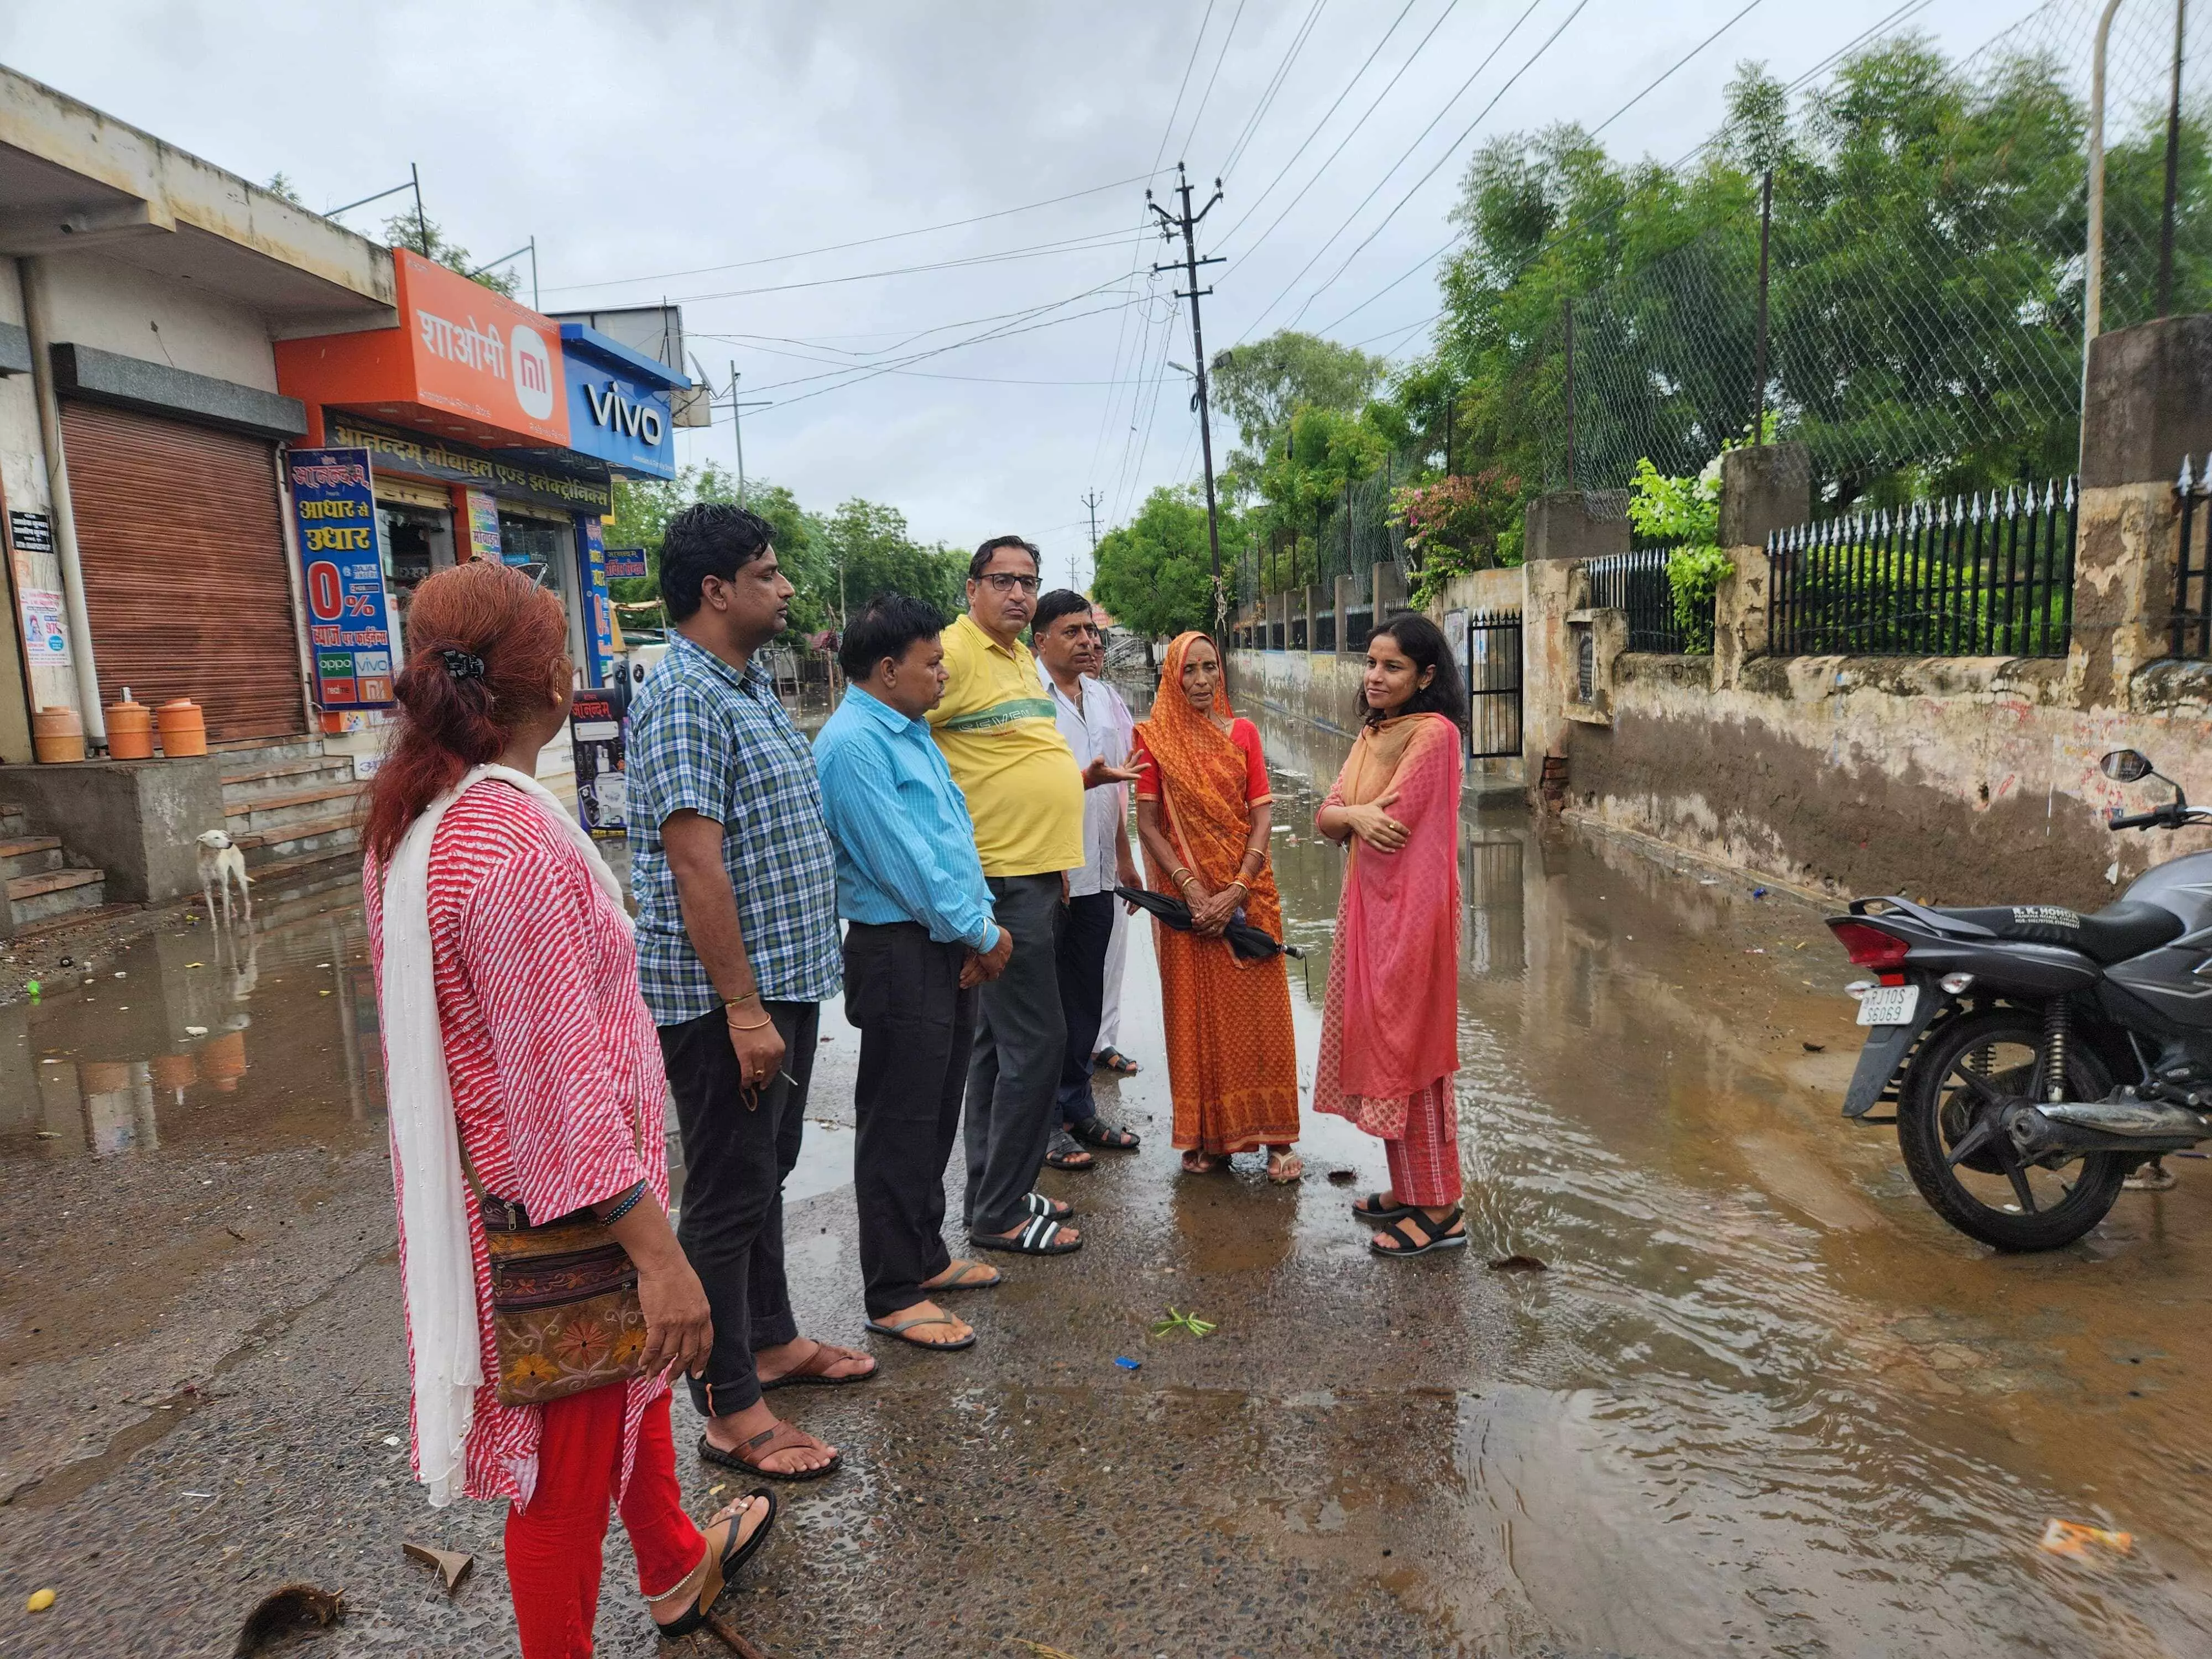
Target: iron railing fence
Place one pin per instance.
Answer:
(2192, 564)
(1637, 582)
(1974, 576)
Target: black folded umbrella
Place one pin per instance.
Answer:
(1246, 940)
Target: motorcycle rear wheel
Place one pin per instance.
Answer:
(1990, 1194)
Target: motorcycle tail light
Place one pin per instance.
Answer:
(1953, 984)
(1869, 946)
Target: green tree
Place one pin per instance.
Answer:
(865, 549)
(426, 237)
(1260, 386)
(1154, 573)
(643, 507)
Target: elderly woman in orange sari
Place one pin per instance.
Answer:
(1202, 812)
(1389, 1033)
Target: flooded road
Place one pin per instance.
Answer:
(1762, 1400)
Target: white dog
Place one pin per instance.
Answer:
(222, 862)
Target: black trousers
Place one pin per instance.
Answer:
(917, 1027)
(1083, 937)
(1021, 1041)
(735, 1159)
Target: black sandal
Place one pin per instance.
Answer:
(1371, 1209)
(721, 1569)
(767, 1443)
(1114, 1060)
(1065, 1154)
(1095, 1131)
(1441, 1236)
(1052, 1209)
(1041, 1237)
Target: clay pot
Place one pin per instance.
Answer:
(183, 728)
(129, 729)
(56, 735)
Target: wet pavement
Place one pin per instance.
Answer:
(1762, 1400)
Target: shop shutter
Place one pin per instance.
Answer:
(184, 555)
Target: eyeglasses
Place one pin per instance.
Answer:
(1006, 581)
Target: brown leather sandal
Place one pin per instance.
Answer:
(767, 1443)
(813, 1371)
(715, 1572)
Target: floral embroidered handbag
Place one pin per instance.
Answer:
(564, 1308)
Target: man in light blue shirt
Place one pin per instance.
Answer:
(919, 938)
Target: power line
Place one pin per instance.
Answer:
(1175, 108)
(1079, 244)
(1274, 86)
(1325, 115)
(1207, 97)
(1490, 57)
(1353, 132)
(865, 241)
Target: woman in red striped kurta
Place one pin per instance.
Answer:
(554, 1076)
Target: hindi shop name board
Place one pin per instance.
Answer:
(448, 463)
(349, 615)
(627, 564)
(478, 354)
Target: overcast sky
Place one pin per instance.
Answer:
(702, 152)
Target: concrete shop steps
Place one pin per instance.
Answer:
(40, 885)
(289, 807)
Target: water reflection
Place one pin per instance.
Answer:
(161, 1045)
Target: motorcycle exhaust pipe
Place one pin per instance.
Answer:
(2107, 1125)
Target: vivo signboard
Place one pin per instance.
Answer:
(619, 404)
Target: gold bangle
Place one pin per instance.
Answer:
(759, 1025)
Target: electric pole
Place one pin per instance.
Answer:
(738, 424)
(1188, 223)
(1090, 500)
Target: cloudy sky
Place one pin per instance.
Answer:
(995, 345)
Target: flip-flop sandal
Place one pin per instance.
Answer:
(961, 1281)
(1441, 1239)
(767, 1443)
(1051, 1208)
(722, 1568)
(903, 1326)
(1041, 1237)
(1373, 1210)
(1295, 1164)
(813, 1372)
(1065, 1154)
(1114, 1060)
(1096, 1132)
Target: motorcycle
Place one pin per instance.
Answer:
(2036, 1056)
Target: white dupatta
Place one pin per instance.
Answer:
(439, 1269)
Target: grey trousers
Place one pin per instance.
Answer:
(1021, 1041)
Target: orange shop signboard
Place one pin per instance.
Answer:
(464, 360)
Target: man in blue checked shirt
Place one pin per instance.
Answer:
(919, 938)
(737, 948)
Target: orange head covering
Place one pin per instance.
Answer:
(1201, 772)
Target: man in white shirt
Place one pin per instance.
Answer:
(1070, 649)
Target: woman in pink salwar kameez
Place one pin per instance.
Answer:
(1389, 1035)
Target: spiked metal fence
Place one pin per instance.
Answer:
(2192, 564)
(1975, 576)
(1637, 582)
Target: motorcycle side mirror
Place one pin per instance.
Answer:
(2126, 766)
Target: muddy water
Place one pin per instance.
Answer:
(1762, 1400)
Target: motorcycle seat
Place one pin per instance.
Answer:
(2115, 934)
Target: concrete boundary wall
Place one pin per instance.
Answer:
(1964, 780)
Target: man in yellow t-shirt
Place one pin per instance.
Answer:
(999, 736)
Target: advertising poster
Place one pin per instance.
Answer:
(483, 525)
(599, 617)
(45, 635)
(595, 730)
(348, 619)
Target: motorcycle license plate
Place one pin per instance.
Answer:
(1889, 1004)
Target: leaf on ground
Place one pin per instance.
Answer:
(1185, 1322)
(452, 1565)
(1519, 1264)
(1041, 1650)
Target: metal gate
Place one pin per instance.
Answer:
(1494, 684)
